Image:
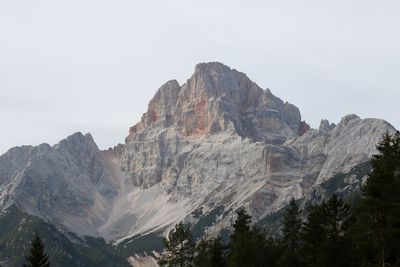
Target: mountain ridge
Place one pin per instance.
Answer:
(214, 143)
(214, 99)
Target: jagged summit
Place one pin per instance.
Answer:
(216, 99)
(326, 125)
(70, 184)
(77, 142)
(211, 67)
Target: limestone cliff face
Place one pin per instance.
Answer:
(218, 99)
(215, 100)
(202, 149)
(340, 147)
(219, 140)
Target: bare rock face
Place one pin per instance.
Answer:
(342, 146)
(202, 149)
(70, 184)
(220, 140)
(215, 100)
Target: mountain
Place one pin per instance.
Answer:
(202, 150)
(71, 184)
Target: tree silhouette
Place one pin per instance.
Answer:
(37, 256)
(313, 235)
(179, 248)
(210, 253)
(379, 209)
(291, 226)
(337, 248)
(248, 246)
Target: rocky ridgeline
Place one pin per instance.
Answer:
(70, 184)
(203, 148)
(217, 99)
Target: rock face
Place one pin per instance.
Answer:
(215, 100)
(70, 184)
(202, 149)
(340, 147)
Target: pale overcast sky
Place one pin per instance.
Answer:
(92, 66)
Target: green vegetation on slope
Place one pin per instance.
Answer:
(17, 229)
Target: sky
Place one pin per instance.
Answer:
(93, 65)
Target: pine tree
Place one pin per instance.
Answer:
(217, 253)
(247, 245)
(37, 256)
(179, 248)
(263, 250)
(240, 244)
(210, 253)
(313, 235)
(291, 226)
(379, 209)
(324, 238)
(337, 247)
(242, 223)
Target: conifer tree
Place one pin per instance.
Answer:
(337, 247)
(179, 248)
(263, 251)
(37, 256)
(242, 223)
(217, 253)
(313, 235)
(324, 238)
(210, 253)
(379, 209)
(240, 244)
(247, 246)
(291, 226)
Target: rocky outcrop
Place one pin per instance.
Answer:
(341, 146)
(215, 100)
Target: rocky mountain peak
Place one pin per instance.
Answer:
(345, 119)
(218, 80)
(70, 183)
(77, 142)
(211, 67)
(216, 99)
(326, 125)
